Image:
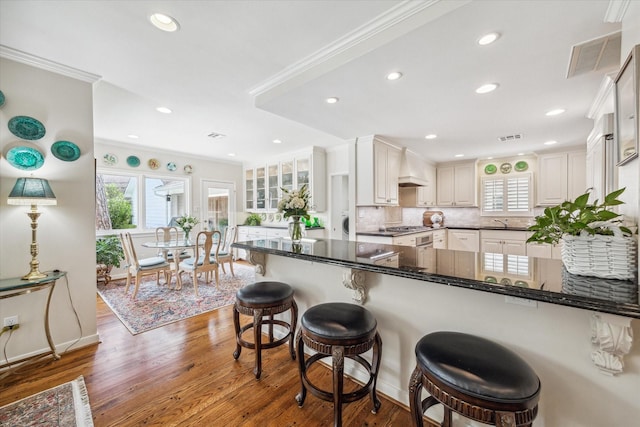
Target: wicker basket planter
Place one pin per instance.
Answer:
(608, 257)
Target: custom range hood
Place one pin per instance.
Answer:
(411, 170)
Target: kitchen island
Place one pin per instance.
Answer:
(550, 329)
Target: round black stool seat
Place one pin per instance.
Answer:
(264, 293)
(339, 330)
(259, 300)
(475, 377)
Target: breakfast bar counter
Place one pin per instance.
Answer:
(571, 336)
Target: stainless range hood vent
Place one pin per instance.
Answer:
(412, 173)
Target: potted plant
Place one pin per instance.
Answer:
(592, 236)
(109, 253)
(253, 219)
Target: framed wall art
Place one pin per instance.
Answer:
(626, 108)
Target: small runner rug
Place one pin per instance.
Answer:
(157, 306)
(66, 405)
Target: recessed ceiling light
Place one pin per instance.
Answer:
(555, 112)
(132, 136)
(550, 142)
(520, 154)
(431, 136)
(394, 75)
(164, 110)
(459, 155)
(332, 100)
(231, 154)
(489, 87)
(488, 39)
(277, 141)
(164, 22)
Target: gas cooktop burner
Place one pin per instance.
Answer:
(407, 228)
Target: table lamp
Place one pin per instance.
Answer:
(34, 192)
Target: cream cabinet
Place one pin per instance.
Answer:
(503, 242)
(426, 258)
(263, 183)
(457, 264)
(378, 166)
(440, 239)
(561, 177)
(544, 250)
(463, 240)
(456, 184)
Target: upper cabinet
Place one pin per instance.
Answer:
(561, 177)
(263, 183)
(456, 184)
(378, 165)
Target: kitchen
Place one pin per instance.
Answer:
(556, 338)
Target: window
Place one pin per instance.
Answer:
(507, 196)
(129, 201)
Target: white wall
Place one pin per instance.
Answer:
(66, 231)
(553, 339)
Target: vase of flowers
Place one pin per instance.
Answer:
(186, 223)
(295, 205)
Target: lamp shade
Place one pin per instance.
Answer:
(31, 191)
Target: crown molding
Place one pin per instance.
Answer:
(384, 22)
(45, 64)
(616, 10)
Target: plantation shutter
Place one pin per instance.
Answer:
(518, 194)
(507, 195)
(493, 197)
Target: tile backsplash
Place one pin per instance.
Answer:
(372, 218)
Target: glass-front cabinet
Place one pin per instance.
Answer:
(274, 186)
(263, 183)
(249, 201)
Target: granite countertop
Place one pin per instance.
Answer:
(556, 287)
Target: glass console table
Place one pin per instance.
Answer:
(15, 286)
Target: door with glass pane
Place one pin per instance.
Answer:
(218, 205)
(261, 188)
(302, 172)
(249, 202)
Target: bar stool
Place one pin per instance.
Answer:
(476, 378)
(259, 300)
(339, 330)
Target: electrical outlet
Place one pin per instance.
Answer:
(10, 321)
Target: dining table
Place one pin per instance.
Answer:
(174, 247)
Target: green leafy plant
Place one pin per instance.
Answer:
(120, 210)
(575, 217)
(253, 219)
(108, 251)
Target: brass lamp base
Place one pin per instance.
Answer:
(34, 275)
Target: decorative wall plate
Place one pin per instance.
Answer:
(505, 281)
(25, 158)
(188, 169)
(521, 166)
(521, 284)
(26, 127)
(490, 169)
(153, 164)
(133, 161)
(490, 279)
(171, 166)
(1, 98)
(109, 159)
(66, 151)
(505, 167)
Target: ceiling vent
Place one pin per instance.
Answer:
(509, 138)
(601, 54)
(214, 135)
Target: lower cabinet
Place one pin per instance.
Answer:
(440, 239)
(544, 250)
(503, 242)
(463, 240)
(457, 264)
(246, 233)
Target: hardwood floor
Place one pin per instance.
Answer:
(184, 374)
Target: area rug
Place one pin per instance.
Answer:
(66, 405)
(157, 306)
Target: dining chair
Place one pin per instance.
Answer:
(205, 260)
(225, 254)
(141, 267)
(168, 234)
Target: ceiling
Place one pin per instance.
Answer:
(256, 71)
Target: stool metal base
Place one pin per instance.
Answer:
(259, 312)
(339, 349)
